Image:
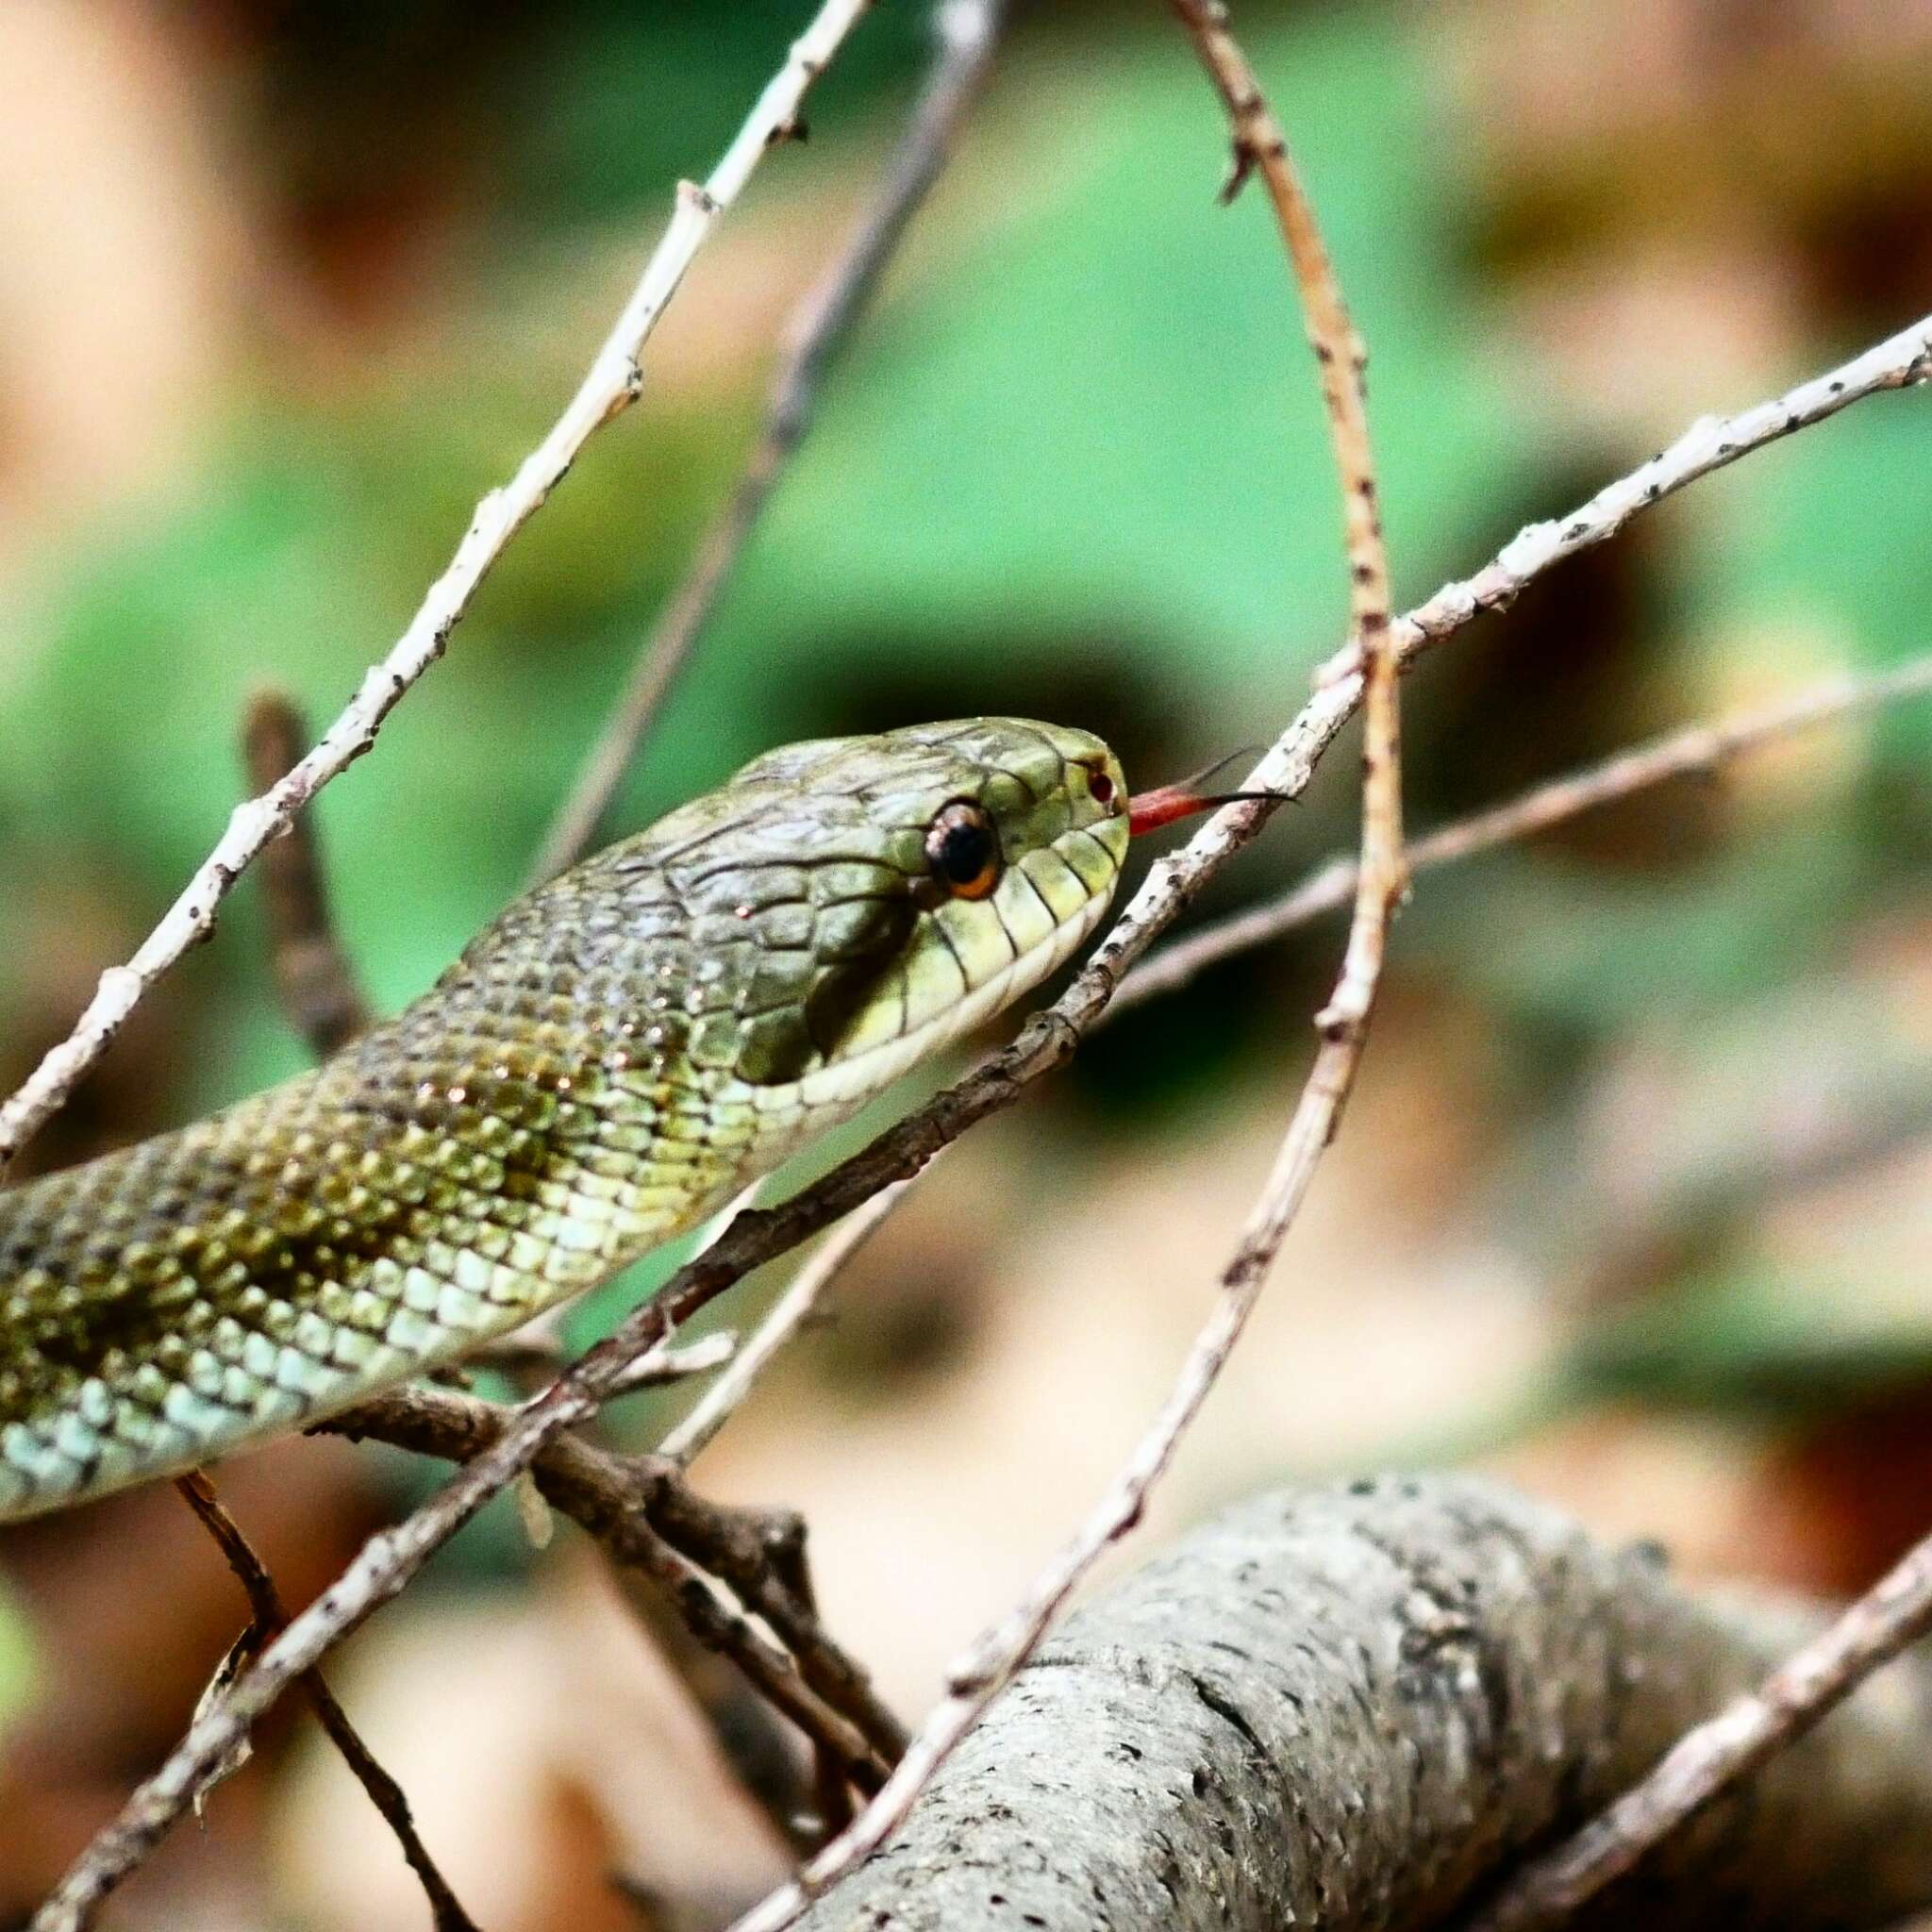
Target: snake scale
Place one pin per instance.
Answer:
(610, 1061)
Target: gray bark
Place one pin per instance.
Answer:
(1352, 1707)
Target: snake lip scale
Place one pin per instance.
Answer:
(618, 1054)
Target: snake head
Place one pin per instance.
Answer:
(840, 908)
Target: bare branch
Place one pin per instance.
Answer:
(976, 1678)
(1711, 442)
(1696, 749)
(787, 1315)
(966, 32)
(268, 1615)
(1045, 1044)
(312, 973)
(632, 1504)
(1353, 1707)
(614, 382)
(1713, 1758)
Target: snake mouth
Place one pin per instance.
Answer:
(848, 1082)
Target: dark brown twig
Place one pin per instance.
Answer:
(267, 1617)
(313, 977)
(644, 1512)
(966, 32)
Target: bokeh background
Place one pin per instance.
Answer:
(1635, 1202)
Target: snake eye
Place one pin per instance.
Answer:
(1099, 787)
(963, 851)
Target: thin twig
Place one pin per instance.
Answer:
(664, 1367)
(978, 1677)
(966, 31)
(629, 1503)
(313, 977)
(1711, 442)
(786, 1317)
(387, 1562)
(614, 382)
(1696, 749)
(1711, 1760)
(268, 1614)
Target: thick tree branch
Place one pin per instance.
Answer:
(966, 31)
(1350, 1707)
(387, 1562)
(614, 382)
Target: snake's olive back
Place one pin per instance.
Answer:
(614, 1058)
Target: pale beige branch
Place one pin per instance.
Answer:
(978, 1676)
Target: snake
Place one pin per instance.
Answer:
(606, 1066)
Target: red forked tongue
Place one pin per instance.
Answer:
(1147, 811)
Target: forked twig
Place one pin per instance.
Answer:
(268, 1615)
(633, 1505)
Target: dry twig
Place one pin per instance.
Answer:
(966, 31)
(787, 1316)
(1711, 1758)
(976, 1678)
(389, 1560)
(267, 1615)
(1696, 749)
(313, 977)
(644, 1513)
(614, 382)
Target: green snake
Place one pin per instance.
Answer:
(620, 1054)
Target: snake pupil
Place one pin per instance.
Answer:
(963, 851)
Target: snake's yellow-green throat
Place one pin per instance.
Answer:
(609, 1063)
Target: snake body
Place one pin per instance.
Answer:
(610, 1061)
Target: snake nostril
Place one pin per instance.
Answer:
(1100, 787)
